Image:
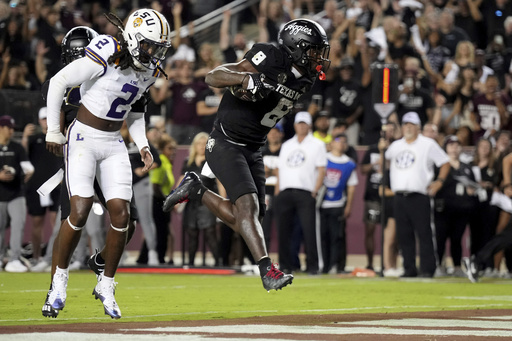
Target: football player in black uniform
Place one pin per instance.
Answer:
(264, 86)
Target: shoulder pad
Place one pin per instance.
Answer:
(264, 56)
(101, 48)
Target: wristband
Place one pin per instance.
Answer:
(55, 137)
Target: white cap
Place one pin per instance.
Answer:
(303, 116)
(411, 117)
(42, 113)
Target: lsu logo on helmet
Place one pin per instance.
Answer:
(137, 22)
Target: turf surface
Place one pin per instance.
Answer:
(164, 297)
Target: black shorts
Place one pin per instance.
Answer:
(34, 204)
(240, 169)
(372, 211)
(65, 205)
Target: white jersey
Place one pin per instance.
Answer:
(108, 92)
(299, 162)
(111, 94)
(412, 164)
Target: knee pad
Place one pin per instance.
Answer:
(120, 229)
(76, 228)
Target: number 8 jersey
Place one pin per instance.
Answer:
(111, 93)
(249, 122)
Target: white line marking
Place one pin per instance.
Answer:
(481, 298)
(277, 329)
(440, 323)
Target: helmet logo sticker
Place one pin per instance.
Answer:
(137, 22)
(258, 58)
(210, 144)
(295, 29)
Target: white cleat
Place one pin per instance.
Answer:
(15, 266)
(57, 297)
(105, 292)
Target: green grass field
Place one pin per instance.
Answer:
(163, 297)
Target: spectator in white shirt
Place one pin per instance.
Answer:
(412, 161)
(302, 163)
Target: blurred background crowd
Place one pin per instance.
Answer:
(453, 56)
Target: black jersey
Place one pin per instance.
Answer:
(249, 122)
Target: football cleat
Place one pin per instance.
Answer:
(94, 266)
(47, 309)
(57, 296)
(185, 190)
(275, 279)
(471, 268)
(105, 293)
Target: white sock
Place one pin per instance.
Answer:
(107, 280)
(62, 271)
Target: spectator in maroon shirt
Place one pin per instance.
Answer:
(181, 97)
(491, 110)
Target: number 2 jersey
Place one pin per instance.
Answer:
(106, 91)
(111, 95)
(249, 122)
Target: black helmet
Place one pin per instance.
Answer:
(306, 43)
(74, 43)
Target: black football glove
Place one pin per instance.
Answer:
(258, 87)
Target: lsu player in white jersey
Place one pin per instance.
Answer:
(113, 76)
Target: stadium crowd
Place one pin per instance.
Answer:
(455, 71)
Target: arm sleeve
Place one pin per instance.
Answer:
(390, 152)
(321, 157)
(73, 74)
(137, 128)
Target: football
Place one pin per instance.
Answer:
(245, 95)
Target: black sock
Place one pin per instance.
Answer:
(264, 265)
(197, 192)
(99, 260)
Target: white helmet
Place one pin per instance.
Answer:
(148, 36)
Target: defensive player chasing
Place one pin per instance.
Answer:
(272, 79)
(113, 76)
(73, 47)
